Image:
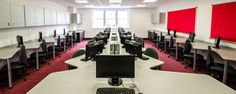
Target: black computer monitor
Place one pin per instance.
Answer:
(168, 32)
(40, 36)
(191, 36)
(174, 34)
(55, 34)
(115, 67)
(134, 48)
(92, 49)
(217, 42)
(19, 40)
(64, 31)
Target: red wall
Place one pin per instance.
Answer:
(182, 20)
(224, 21)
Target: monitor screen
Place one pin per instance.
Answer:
(109, 66)
(19, 40)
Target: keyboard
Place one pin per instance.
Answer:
(115, 91)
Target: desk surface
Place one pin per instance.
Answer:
(83, 81)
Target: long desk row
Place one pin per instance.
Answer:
(226, 53)
(83, 80)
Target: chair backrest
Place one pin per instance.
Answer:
(161, 37)
(68, 38)
(187, 47)
(74, 35)
(64, 31)
(210, 57)
(59, 41)
(171, 42)
(23, 56)
(151, 52)
(44, 46)
(78, 53)
(129, 33)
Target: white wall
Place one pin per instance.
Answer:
(140, 22)
(8, 36)
(203, 17)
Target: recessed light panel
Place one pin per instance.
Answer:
(149, 1)
(81, 1)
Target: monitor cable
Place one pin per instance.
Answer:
(135, 86)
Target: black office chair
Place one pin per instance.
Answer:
(76, 54)
(58, 48)
(43, 55)
(152, 53)
(188, 56)
(64, 31)
(171, 48)
(129, 33)
(74, 38)
(174, 34)
(20, 67)
(160, 42)
(216, 69)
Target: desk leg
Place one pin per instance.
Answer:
(165, 44)
(9, 73)
(194, 60)
(37, 59)
(64, 45)
(176, 53)
(54, 56)
(72, 42)
(225, 72)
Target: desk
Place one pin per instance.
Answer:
(51, 41)
(226, 53)
(9, 51)
(83, 81)
(178, 41)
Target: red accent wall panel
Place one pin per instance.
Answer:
(224, 21)
(182, 20)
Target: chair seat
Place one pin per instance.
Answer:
(191, 55)
(14, 66)
(220, 68)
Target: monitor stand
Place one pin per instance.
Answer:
(217, 47)
(84, 59)
(115, 81)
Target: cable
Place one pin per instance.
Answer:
(135, 86)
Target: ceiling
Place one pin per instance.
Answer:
(107, 4)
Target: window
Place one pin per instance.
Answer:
(110, 18)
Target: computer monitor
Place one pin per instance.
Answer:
(134, 48)
(92, 49)
(55, 34)
(115, 67)
(40, 36)
(19, 40)
(191, 37)
(174, 34)
(168, 32)
(64, 31)
(217, 42)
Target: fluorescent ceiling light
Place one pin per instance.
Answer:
(140, 5)
(89, 6)
(115, 1)
(81, 1)
(149, 1)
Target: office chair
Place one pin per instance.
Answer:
(74, 38)
(152, 53)
(171, 49)
(188, 56)
(216, 69)
(76, 54)
(43, 55)
(64, 31)
(68, 41)
(58, 48)
(129, 33)
(160, 42)
(20, 67)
